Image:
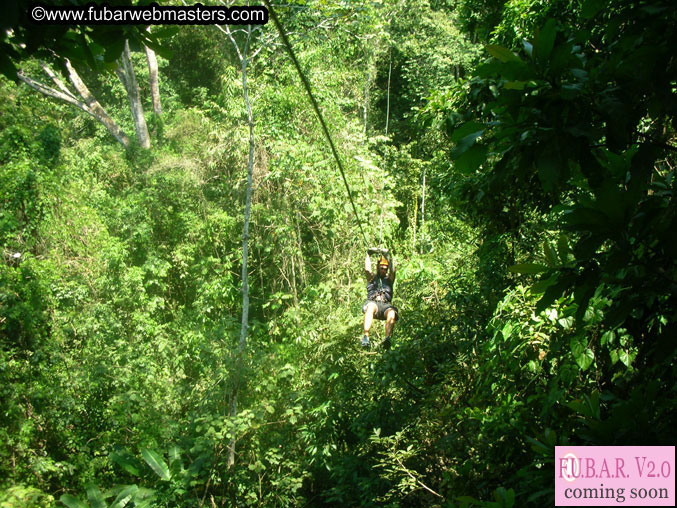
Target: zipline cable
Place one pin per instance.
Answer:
(306, 84)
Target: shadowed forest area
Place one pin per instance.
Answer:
(181, 272)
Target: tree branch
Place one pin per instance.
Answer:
(417, 480)
(56, 80)
(51, 92)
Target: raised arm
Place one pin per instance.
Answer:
(367, 268)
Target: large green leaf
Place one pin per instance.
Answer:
(156, 463)
(590, 8)
(125, 460)
(545, 40)
(464, 144)
(501, 53)
(549, 253)
(72, 501)
(582, 353)
(125, 496)
(471, 159)
(95, 497)
(563, 248)
(468, 130)
(174, 453)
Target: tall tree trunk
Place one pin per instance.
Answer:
(125, 72)
(390, 70)
(423, 213)
(245, 244)
(153, 79)
(88, 104)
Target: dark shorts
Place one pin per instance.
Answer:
(381, 310)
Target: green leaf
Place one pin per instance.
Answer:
(553, 292)
(161, 50)
(563, 248)
(539, 447)
(72, 501)
(514, 85)
(125, 496)
(464, 144)
(608, 337)
(468, 501)
(542, 285)
(626, 357)
(472, 159)
(550, 437)
(174, 454)
(501, 53)
(528, 268)
(587, 247)
(593, 404)
(144, 497)
(126, 461)
(163, 31)
(582, 353)
(590, 8)
(586, 284)
(545, 40)
(468, 128)
(156, 463)
(95, 497)
(114, 50)
(549, 253)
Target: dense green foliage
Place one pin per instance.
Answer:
(536, 283)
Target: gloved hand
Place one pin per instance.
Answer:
(378, 250)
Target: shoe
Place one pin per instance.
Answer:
(365, 342)
(386, 343)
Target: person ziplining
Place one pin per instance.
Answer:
(379, 295)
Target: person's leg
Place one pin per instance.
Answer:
(369, 317)
(390, 321)
(369, 311)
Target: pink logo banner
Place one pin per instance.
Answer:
(615, 476)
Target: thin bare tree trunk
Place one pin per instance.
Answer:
(125, 72)
(390, 69)
(153, 79)
(423, 213)
(245, 244)
(413, 235)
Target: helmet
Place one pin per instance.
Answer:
(383, 261)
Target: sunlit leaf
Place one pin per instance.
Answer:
(583, 355)
(156, 463)
(72, 502)
(501, 53)
(95, 497)
(124, 497)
